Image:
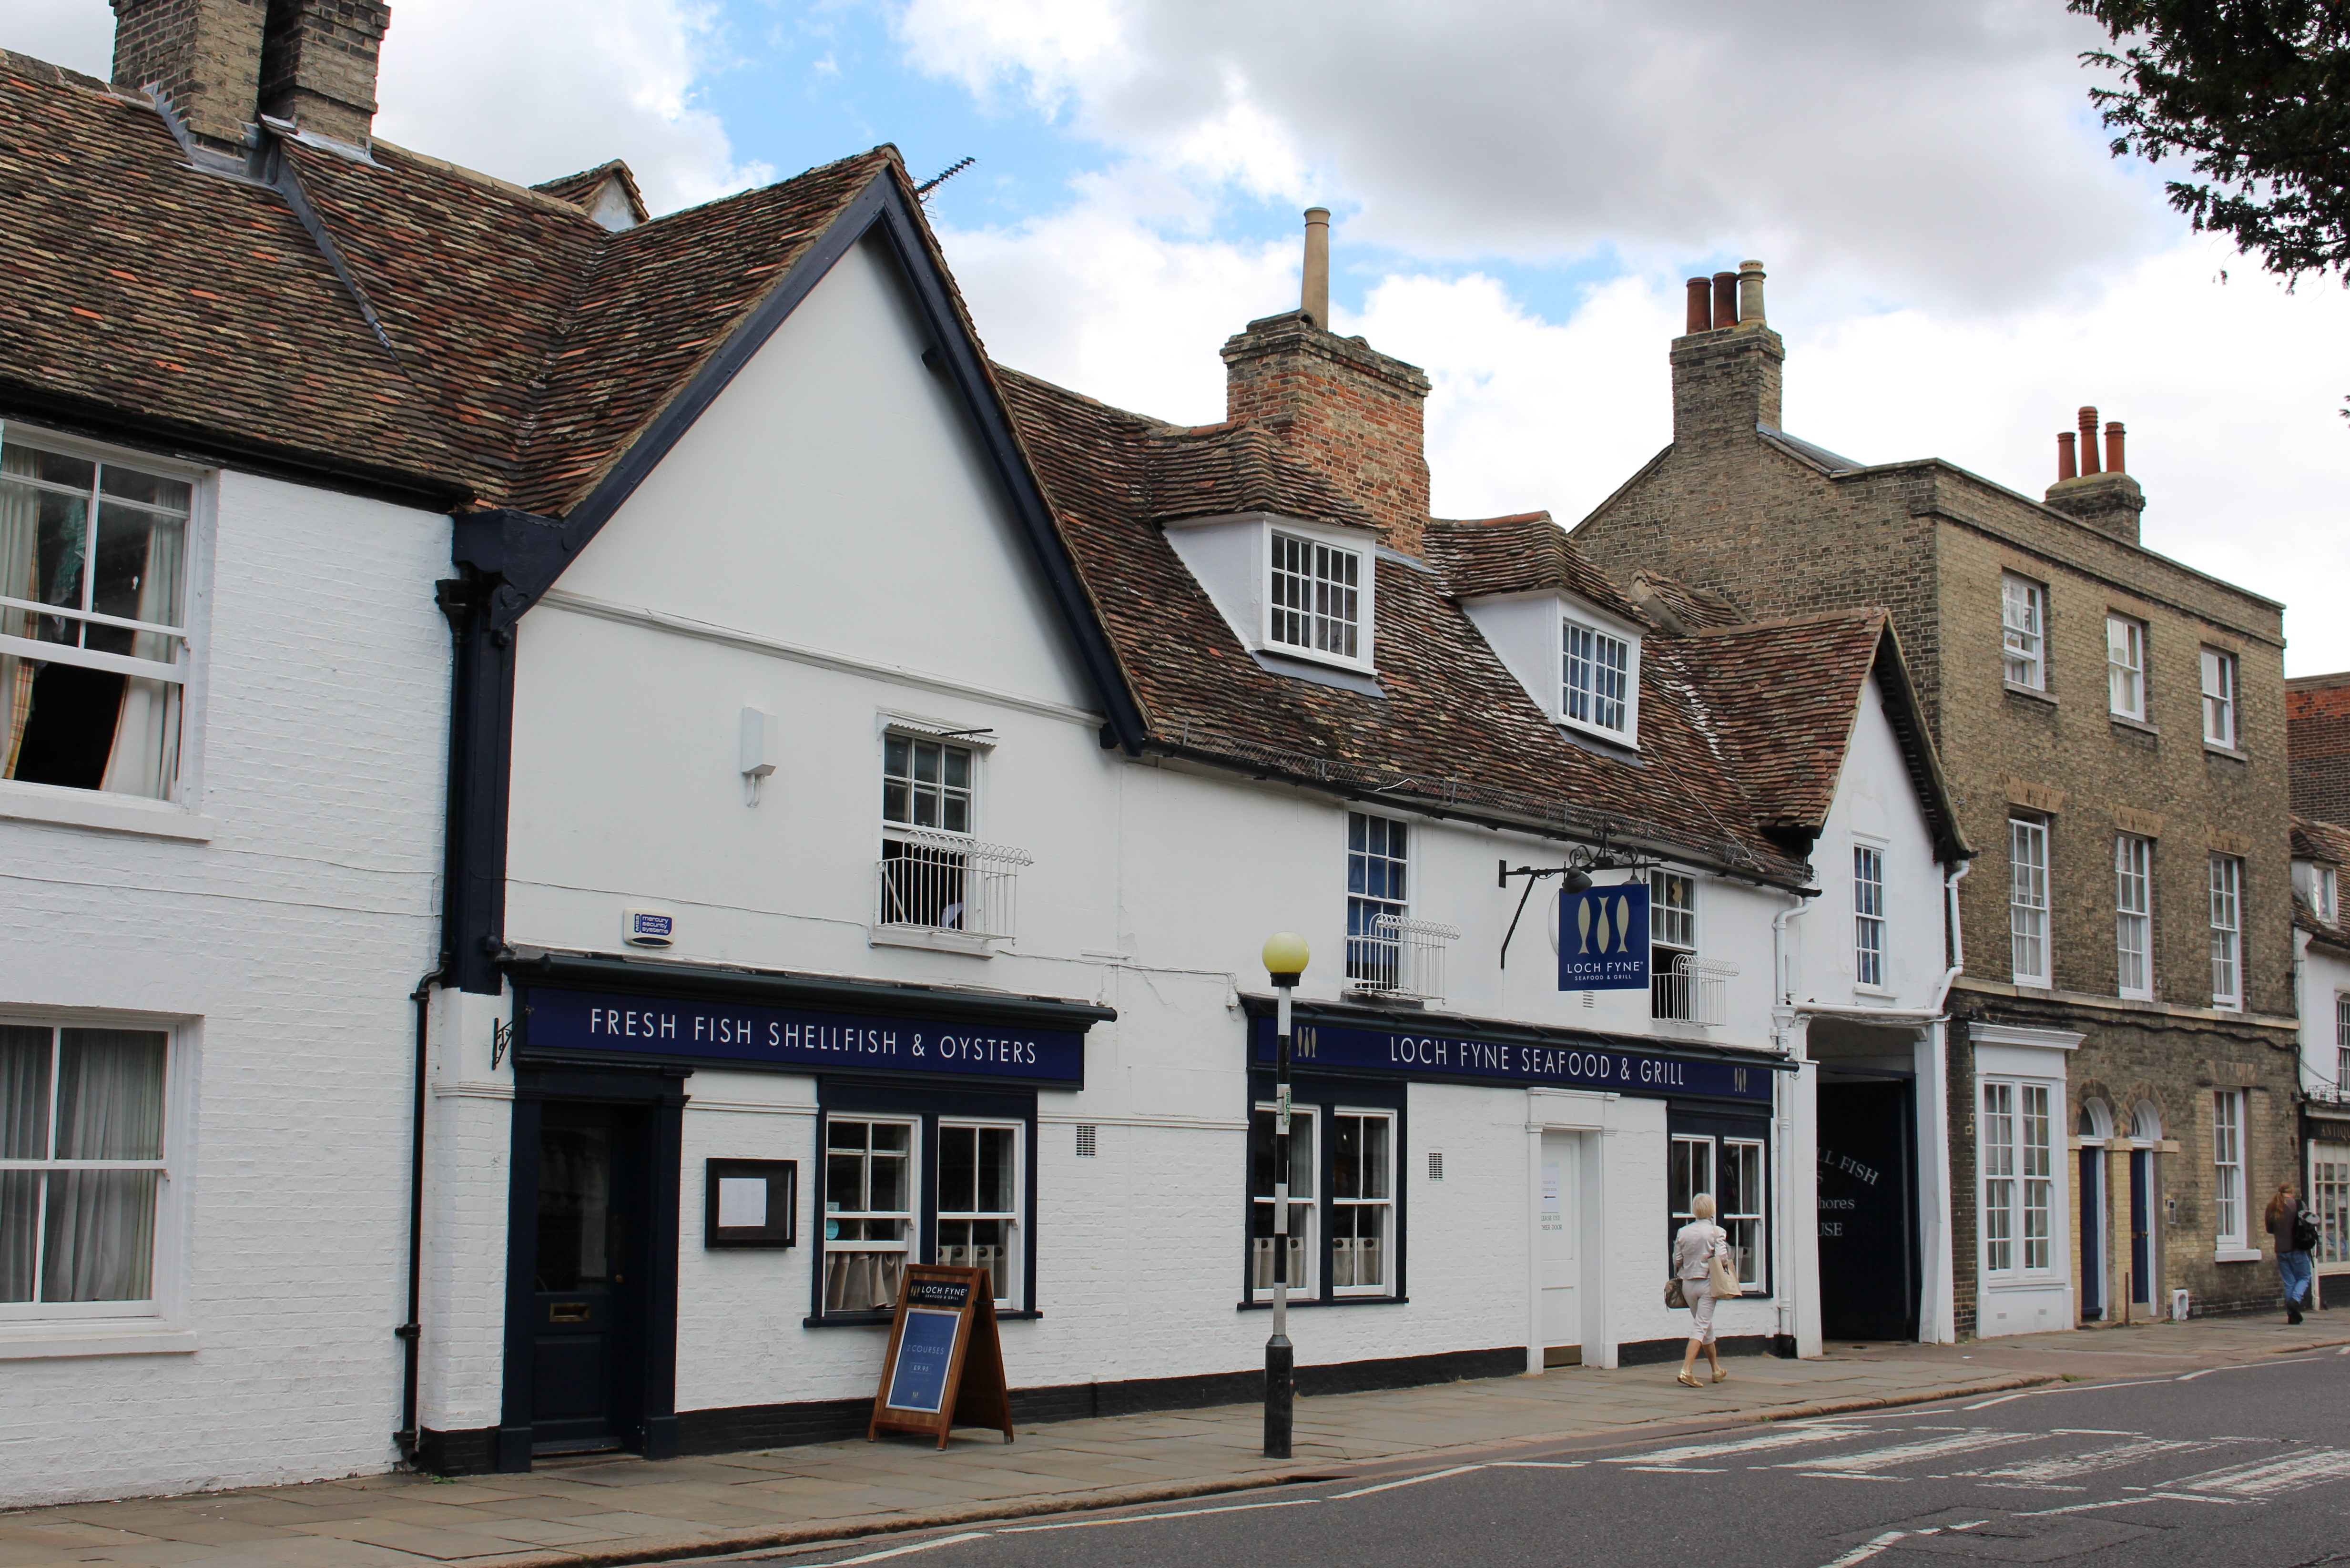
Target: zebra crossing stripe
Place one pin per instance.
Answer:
(2271, 1478)
(2063, 1467)
(1786, 1439)
(1965, 1442)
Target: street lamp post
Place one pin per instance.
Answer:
(1285, 956)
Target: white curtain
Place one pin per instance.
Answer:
(19, 536)
(23, 1135)
(98, 1244)
(146, 755)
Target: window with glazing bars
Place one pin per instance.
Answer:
(2329, 1199)
(1672, 936)
(93, 602)
(2342, 1041)
(2134, 915)
(2023, 624)
(1362, 1203)
(869, 1211)
(2227, 932)
(81, 1156)
(2227, 1216)
(1868, 914)
(2220, 698)
(925, 785)
(1378, 865)
(2018, 1155)
(1597, 675)
(979, 1199)
(2027, 900)
(2126, 667)
(1316, 596)
(1263, 1172)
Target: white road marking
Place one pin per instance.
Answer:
(2068, 1388)
(1146, 1517)
(1863, 1554)
(2003, 1399)
(2095, 1432)
(1842, 1475)
(1409, 1480)
(903, 1551)
(1539, 1464)
(1782, 1439)
(2273, 1477)
(1965, 1441)
(2063, 1467)
(1681, 1469)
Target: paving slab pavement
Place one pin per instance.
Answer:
(616, 1508)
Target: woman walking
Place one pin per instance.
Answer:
(1700, 1242)
(2290, 1226)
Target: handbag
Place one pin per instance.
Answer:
(1719, 1277)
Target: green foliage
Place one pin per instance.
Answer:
(2255, 94)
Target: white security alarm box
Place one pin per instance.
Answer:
(647, 928)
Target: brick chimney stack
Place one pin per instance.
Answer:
(2108, 501)
(206, 54)
(225, 63)
(1726, 374)
(1338, 404)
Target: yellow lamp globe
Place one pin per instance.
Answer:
(1286, 953)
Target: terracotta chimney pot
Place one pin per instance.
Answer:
(1701, 304)
(2113, 447)
(2064, 459)
(2089, 440)
(1725, 299)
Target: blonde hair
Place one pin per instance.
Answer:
(1702, 1206)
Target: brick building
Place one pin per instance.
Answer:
(2317, 726)
(2114, 726)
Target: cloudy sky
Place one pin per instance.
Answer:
(1955, 262)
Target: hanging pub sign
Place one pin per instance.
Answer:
(1602, 939)
(945, 1364)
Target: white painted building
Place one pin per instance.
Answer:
(853, 808)
(2321, 964)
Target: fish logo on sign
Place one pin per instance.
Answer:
(1609, 950)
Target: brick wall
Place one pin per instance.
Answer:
(1344, 407)
(2317, 720)
(205, 54)
(319, 64)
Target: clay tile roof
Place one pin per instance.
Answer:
(1524, 553)
(1454, 729)
(1682, 606)
(527, 344)
(582, 189)
(1219, 470)
(2316, 840)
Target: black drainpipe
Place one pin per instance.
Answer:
(412, 1333)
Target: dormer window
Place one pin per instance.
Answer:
(1598, 672)
(1316, 596)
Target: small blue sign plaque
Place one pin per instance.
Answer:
(925, 1356)
(1602, 939)
(795, 1039)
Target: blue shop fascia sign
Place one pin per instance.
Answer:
(1400, 1053)
(721, 1031)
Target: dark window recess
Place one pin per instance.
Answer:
(69, 731)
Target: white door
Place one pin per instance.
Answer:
(1562, 1253)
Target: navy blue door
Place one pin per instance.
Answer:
(2092, 1233)
(2141, 1222)
(587, 1334)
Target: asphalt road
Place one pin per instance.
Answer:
(2243, 1466)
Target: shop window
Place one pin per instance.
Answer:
(94, 649)
(979, 1199)
(2015, 1140)
(868, 1212)
(82, 1143)
(1264, 1177)
(1727, 1158)
(2230, 1230)
(1362, 1203)
(2329, 1199)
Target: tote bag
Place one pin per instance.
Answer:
(1719, 1277)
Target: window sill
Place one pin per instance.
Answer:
(1325, 1302)
(1614, 740)
(1301, 664)
(1875, 992)
(2236, 1255)
(2033, 692)
(2123, 722)
(936, 942)
(54, 1341)
(96, 808)
(884, 1319)
(2230, 753)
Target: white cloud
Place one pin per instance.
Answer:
(530, 89)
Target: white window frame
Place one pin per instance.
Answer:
(2320, 885)
(2023, 631)
(1307, 1244)
(2342, 1041)
(2134, 916)
(2329, 1202)
(1367, 961)
(2227, 908)
(2028, 915)
(2126, 667)
(1385, 1286)
(1010, 1279)
(2220, 672)
(1673, 929)
(187, 671)
(908, 1246)
(1318, 547)
(1870, 958)
(1750, 1259)
(2016, 1190)
(25, 1325)
(2230, 1189)
(1586, 644)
